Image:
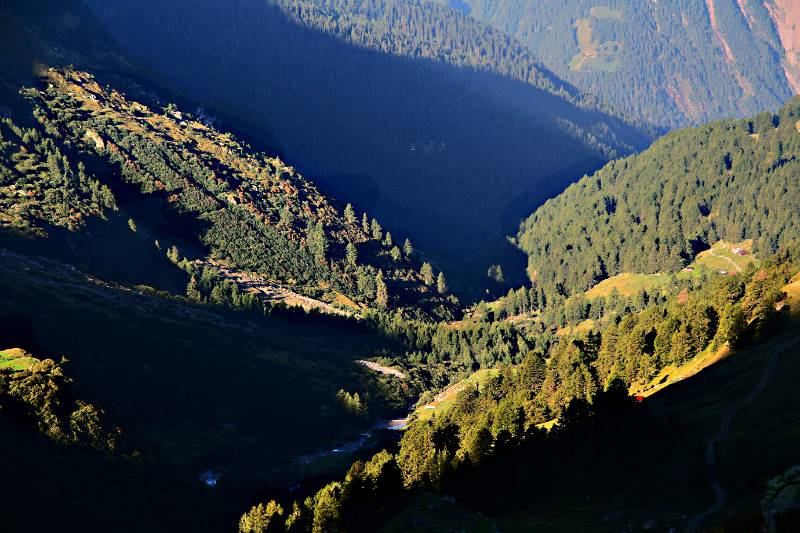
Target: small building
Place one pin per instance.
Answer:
(740, 251)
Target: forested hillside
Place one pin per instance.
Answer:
(439, 125)
(580, 382)
(653, 212)
(250, 211)
(668, 63)
(230, 234)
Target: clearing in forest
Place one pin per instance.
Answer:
(723, 257)
(16, 359)
(442, 401)
(595, 54)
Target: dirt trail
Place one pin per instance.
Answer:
(720, 495)
(728, 259)
(272, 292)
(377, 367)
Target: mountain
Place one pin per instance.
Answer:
(667, 64)
(654, 212)
(442, 127)
(199, 329)
(250, 211)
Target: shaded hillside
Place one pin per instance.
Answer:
(432, 121)
(654, 212)
(193, 388)
(247, 210)
(669, 63)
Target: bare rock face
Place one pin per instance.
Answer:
(781, 502)
(786, 15)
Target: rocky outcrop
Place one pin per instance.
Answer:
(781, 502)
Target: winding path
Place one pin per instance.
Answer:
(720, 495)
(728, 259)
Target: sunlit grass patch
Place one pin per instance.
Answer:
(16, 359)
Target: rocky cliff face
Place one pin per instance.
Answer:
(785, 14)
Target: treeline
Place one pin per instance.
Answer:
(252, 211)
(576, 377)
(661, 66)
(526, 302)
(654, 212)
(41, 398)
(444, 351)
(40, 186)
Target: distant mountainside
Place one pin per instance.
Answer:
(653, 212)
(435, 122)
(669, 63)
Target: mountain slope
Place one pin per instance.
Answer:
(730, 180)
(437, 124)
(193, 388)
(642, 469)
(250, 211)
(567, 417)
(670, 63)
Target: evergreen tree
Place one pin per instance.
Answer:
(218, 296)
(173, 254)
(352, 254)
(377, 231)
(441, 283)
(427, 273)
(495, 272)
(408, 249)
(327, 508)
(349, 214)
(262, 519)
(192, 291)
(301, 517)
(318, 242)
(381, 292)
